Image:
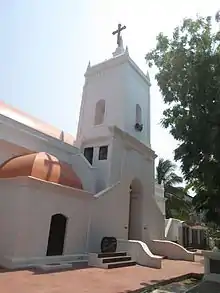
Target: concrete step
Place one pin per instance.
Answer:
(116, 259)
(111, 254)
(54, 266)
(121, 264)
(109, 260)
(63, 265)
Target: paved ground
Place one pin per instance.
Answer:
(93, 280)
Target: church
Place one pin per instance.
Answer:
(60, 195)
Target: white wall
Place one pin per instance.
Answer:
(128, 164)
(159, 196)
(85, 171)
(9, 223)
(111, 209)
(174, 230)
(122, 86)
(108, 83)
(137, 92)
(26, 209)
(8, 150)
(101, 167)
(110, 214)
(117, 160)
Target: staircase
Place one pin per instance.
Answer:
(110, 260)
(63, 262)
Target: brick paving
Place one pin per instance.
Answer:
(94, 280)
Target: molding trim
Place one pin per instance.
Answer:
(116, 61)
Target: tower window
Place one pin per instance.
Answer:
(99, 112)
(138, 114)
(88, 153)
(103, 153)
(138, 120)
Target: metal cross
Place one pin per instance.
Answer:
(118, 32)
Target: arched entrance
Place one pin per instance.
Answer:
(56, 235)
(135, 211)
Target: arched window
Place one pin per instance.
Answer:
(99, 112)
(138, 114)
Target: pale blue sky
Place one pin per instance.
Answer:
(46, 45)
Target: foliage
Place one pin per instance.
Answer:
(166, 173)
(188, 76)
(176, 205)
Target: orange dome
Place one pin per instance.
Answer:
(42, 166)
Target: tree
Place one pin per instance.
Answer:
(176, 205)
(188, 76)
(165, 172)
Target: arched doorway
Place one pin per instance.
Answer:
(56, 235)
(135, 211)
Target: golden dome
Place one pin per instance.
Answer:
(41, 166)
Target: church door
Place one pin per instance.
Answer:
(135, 211)
(56, 235)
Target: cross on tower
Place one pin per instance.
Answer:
(118, 32)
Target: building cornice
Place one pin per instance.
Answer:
(116, 61)
(94, 140)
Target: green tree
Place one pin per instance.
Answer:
(176, 205)
(188, 75)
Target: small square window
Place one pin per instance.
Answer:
(103, 153)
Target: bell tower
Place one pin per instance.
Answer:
(116, 93)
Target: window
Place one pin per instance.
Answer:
(88, 153)
(99, 112)
(103, 153)
(138, 114)
(138, 120)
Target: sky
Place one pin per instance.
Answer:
(45, 47)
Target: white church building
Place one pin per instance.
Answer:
(60, 196)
